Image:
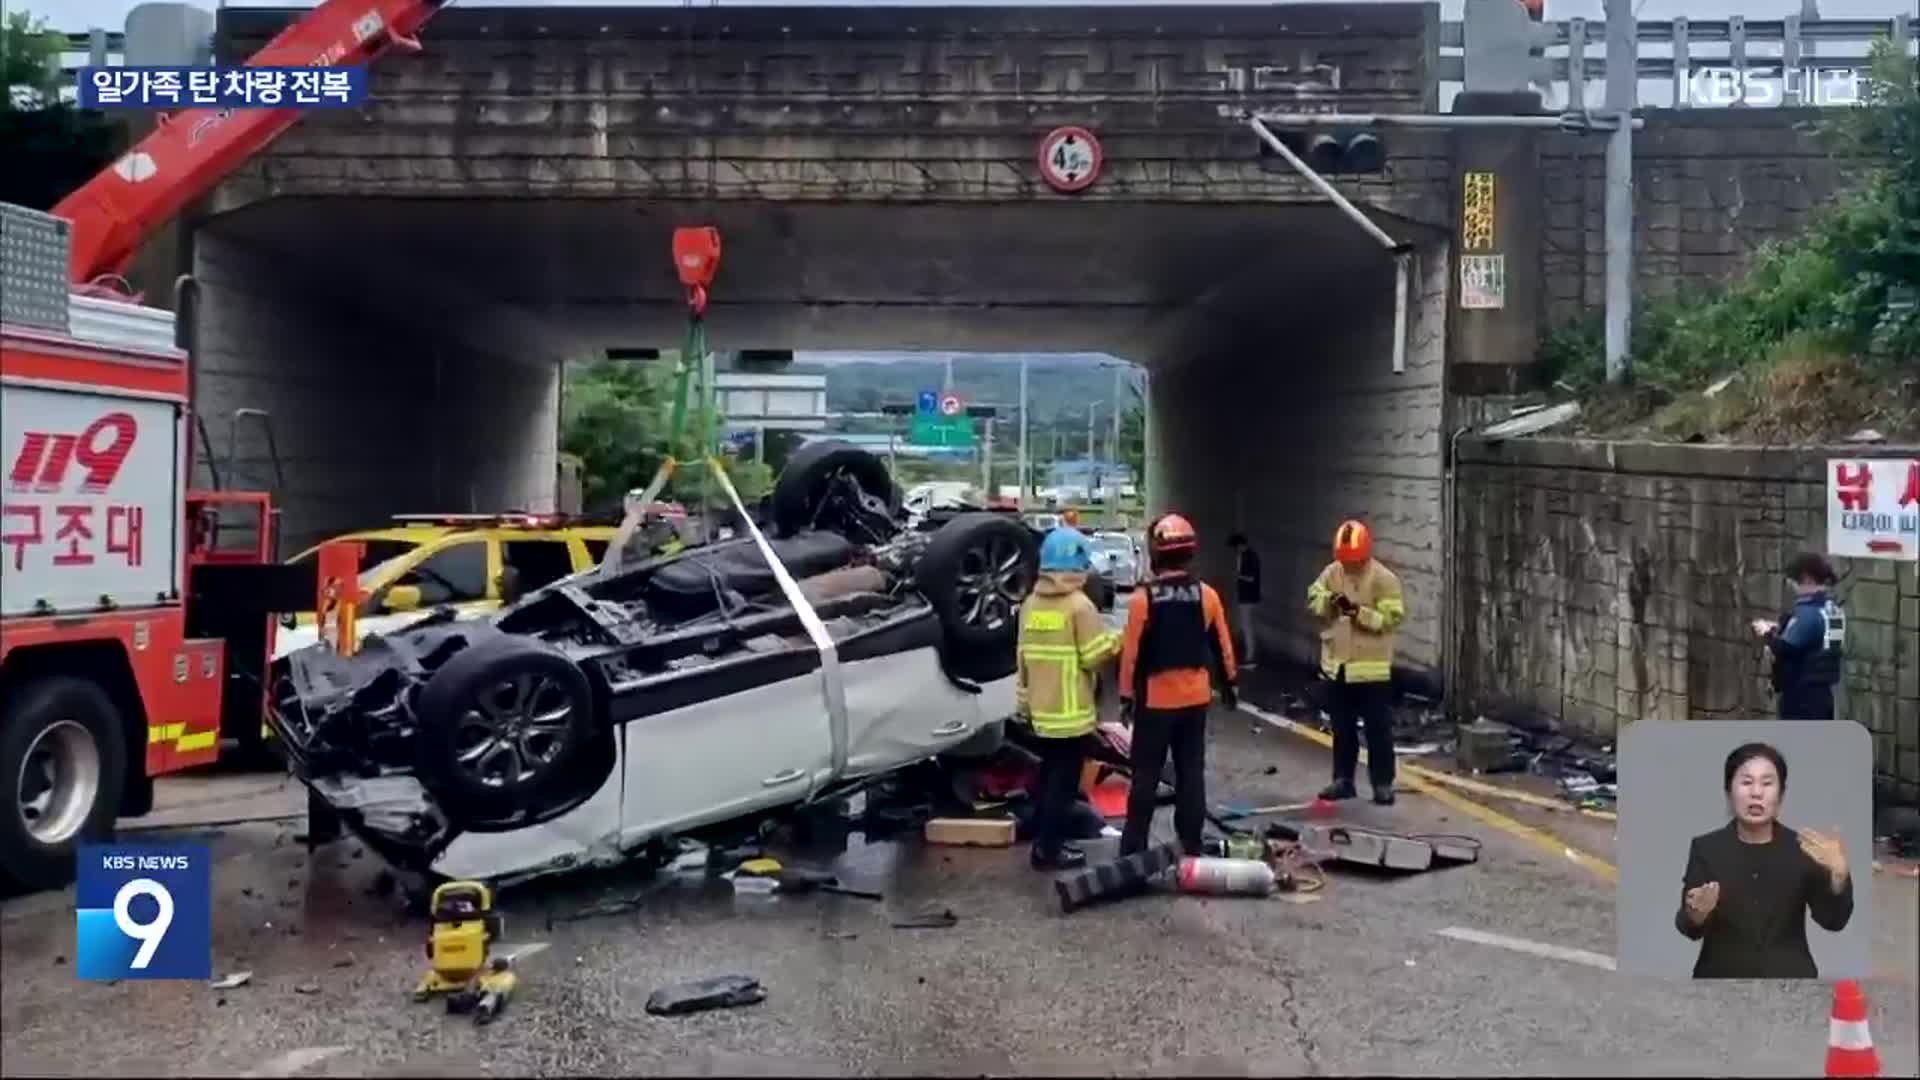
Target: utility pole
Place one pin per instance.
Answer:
(1113, 445)
(1026, 479)
(986, 463)
(946, 387)
(1623, 86)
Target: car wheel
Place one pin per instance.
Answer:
(63, 762)
(502, 725)
(836, 486)
(975, 572)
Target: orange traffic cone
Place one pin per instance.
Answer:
(1850, 1050)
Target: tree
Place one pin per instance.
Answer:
(29, 62)
(615, 422)
(50, 148)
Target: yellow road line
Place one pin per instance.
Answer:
(1539, 838)
(1498, 792)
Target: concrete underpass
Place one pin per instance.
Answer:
(412, 363)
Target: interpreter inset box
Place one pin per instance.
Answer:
(1745, 849)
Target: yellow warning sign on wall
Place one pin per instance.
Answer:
(1476, 212)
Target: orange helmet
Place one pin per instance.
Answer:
(1171, 533)
(1352, 543)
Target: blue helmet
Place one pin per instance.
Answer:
(1066, 551)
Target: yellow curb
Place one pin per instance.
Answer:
(1498, 792)
(1415, 779)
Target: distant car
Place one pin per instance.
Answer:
(1117, 557)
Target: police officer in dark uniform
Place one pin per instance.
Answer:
(1808, 642)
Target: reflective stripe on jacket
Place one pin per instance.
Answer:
(1176, 671)
(1357, 649)
(1063, 642)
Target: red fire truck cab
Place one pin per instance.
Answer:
(136, 615)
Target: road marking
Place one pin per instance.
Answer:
(1532, 948)
(297, 1061)
(1545, 841)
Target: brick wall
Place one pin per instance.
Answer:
(373, 414)
(853, 104)
(1601, 583)
(1710, 185)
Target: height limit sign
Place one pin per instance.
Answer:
(1070, 159)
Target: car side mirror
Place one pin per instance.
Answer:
(403, 598)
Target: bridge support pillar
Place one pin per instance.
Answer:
(1497, 288)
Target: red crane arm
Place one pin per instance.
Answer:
(194, 149)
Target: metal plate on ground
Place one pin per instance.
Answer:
(33, 268)
(1370, 847)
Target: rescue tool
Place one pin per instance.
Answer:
(466, 965)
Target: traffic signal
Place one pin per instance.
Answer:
(1329, 150)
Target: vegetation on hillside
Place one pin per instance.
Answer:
(1819, 338)
(49, 148)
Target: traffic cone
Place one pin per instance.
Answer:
(1850, 1050)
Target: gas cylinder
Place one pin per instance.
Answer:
(1226, 877)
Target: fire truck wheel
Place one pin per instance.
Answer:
(63, 761)
(502, 725)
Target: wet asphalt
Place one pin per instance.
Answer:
(1354, 980)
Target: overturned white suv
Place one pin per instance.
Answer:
(610, 712)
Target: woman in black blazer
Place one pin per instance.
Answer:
(1750, 885)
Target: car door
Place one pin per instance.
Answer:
(743, 733)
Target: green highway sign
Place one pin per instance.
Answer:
(932, 429)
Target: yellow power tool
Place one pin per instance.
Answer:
(465, 930)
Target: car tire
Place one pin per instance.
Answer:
(522, 690)
(63, 762)
(803, 483)
(975, 572)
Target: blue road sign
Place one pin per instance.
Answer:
(929, 402)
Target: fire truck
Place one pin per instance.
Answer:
(136, 614)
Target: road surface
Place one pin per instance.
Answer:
(1497, 968)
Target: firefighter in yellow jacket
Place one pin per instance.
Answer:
(1359, 606)
(1063, 644)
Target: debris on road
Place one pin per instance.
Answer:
(228, 982)
(307, 988)
(722, 992)
(1377, 849)
(936, 918)
(971, 832)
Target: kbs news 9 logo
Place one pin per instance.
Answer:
(144, 912)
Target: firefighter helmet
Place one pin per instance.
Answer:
(1352, 543)
(1066, 551)
(1170, 534)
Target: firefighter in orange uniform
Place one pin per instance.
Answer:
(1359, 605)
(1176, 645)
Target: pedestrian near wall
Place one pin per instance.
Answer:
(1359, 605)
(1808, 642)
(1177, 650)
(1246, 595)
(1063, 644)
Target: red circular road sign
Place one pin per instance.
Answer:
(950, 405)
(1070, 159)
